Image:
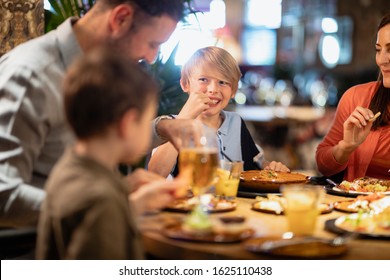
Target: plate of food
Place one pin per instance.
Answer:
(200, 227)
(215, 205)
(270, 181)
(360, 186)
(366, 224)
(360, 203)
(274, 204)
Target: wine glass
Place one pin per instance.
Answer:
(198, 159)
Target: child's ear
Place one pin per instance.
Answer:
(121, 19)
(184, 86)
(127, 123)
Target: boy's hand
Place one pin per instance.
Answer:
(141, 177)
(276, 166)
(156, 195)
(197, 103)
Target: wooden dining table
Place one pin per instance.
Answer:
(158, 246)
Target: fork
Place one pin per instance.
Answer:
(337, 241)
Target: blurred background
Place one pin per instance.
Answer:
(297, 58)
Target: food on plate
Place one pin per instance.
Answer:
(380, 205)
(273, 176)
(376, 220)
(365, 184)
(382, 219)
(377, 224)
(211, 203)
(273, 203)
(200, 227)
(198, 222)
(231, 224)
(360, 203)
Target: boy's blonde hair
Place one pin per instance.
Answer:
(216, 58)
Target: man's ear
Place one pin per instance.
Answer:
(121, 19)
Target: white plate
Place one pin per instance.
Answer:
(356, 192)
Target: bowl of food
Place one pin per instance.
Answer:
(270, 181)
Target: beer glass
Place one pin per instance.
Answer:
(198, 158)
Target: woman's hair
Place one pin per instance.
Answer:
(216, 58)
(381, 100)
(100, 87)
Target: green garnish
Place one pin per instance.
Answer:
(198, 219)
(272, 174)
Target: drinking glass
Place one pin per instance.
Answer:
(302, 207)
(198, 159)
(228, 179)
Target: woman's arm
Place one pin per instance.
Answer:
(348, 130)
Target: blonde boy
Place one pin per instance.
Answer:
(211, 77)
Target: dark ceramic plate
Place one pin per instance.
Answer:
(176, 231)
(309, 250)
(334, 225)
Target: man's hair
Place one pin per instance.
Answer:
(218, 59)
(153, 8)
(100, 87)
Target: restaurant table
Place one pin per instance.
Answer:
(158, 246)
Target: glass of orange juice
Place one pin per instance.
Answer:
(302, 207)
(228, 179)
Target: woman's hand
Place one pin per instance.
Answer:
(275, 166)
(357, 127)
(197, 102)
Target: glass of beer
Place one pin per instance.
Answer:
(198, 159)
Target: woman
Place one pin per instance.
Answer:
(357, 143)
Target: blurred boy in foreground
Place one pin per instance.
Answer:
(89, 211)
